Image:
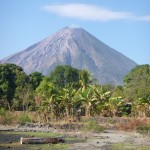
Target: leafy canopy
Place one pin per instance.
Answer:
(137, 83)
(63, 75)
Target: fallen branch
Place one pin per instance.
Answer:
(41, 140)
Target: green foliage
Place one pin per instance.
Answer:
(118, 91)
(137, 83)
(137, 90)
(67, 100)
(85, 76)
(16, 88)
(24, 118)
(48, 92)
(35, 78)
(12, 78)
(2, 111)
(69, 92)
(63, 75)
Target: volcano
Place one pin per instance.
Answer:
(77, 48)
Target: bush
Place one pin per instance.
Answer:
(5, 116)
(93, 126)
(24, 118)
(2, 111)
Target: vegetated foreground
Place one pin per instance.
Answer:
(90, 134)
(69, 102)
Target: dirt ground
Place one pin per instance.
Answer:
(93, 141)
(104, 141)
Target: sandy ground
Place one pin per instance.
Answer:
(93, 141)
(103, 141)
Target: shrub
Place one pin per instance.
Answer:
(2, 111)
(93, 126)
(5, 116)
(24, 118)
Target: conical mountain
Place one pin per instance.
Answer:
(77, 48)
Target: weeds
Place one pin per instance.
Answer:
(93, 126)
(145, 130)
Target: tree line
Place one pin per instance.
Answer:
(69, 92)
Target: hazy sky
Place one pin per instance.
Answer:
(122, 24)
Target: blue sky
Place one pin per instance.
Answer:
(122, 24)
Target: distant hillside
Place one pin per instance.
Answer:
(77, 48)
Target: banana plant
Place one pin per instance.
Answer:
(85, 98)
(49, 93)
(67, 99)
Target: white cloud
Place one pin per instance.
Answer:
(91, 12)
(145, 18)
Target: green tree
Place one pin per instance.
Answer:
(85, 78)
(137, 83)
(118, 91)
(11, 78)
(35, 78)
(63, 75)
(137, 87)
(21, 82)
(25, 98)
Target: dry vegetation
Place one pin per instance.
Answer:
(99, 123)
